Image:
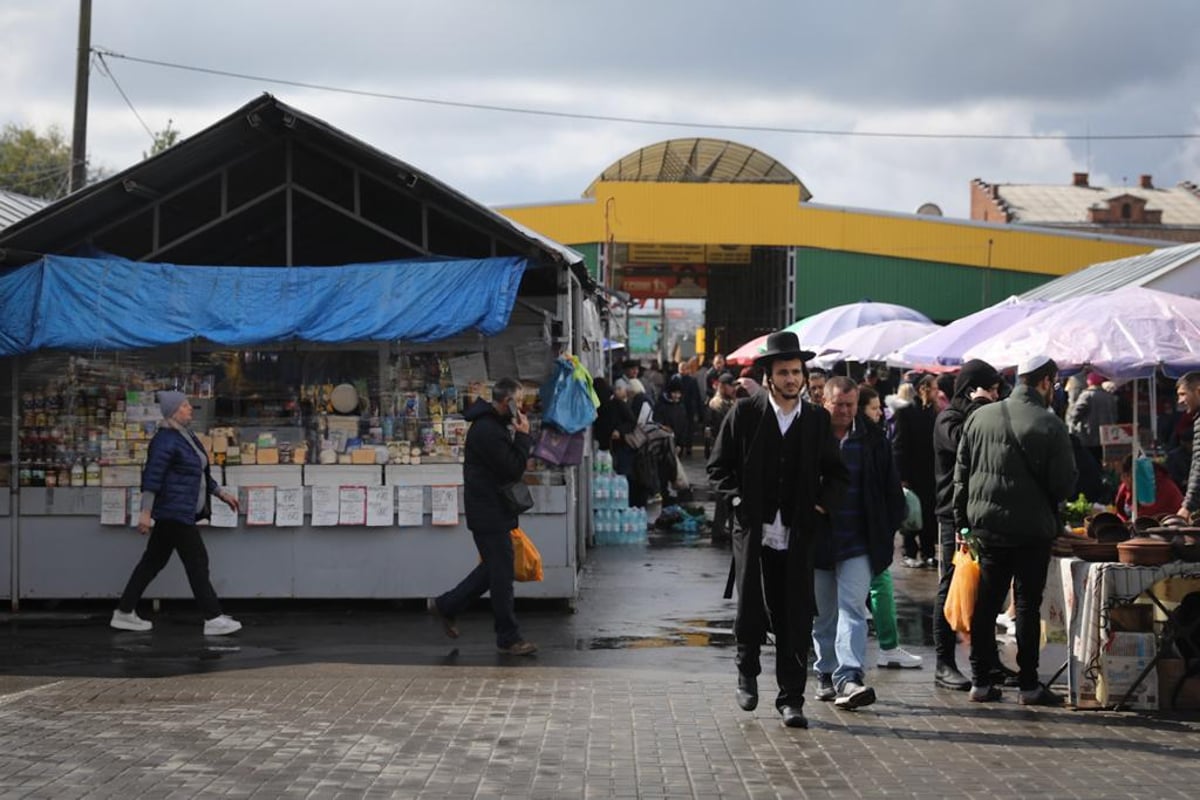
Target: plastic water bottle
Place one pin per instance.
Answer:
(600, 487)
(620, 494)
(600, 528)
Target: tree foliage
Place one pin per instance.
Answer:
(163, 139)
(33, 164)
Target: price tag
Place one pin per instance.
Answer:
(289, 507)
(445, 505)
(324, 506)
(381, 506)
(112, 506)
(260, 505)
(222, 515)
(352, 505)
(410, 505)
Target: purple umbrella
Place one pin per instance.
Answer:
(946, 346)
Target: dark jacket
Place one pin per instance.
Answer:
(735, 469)
(947, 430)
(882, 499)
(612, 415)
(912, 446)
(174, 472)
(1009, 496)
(494, 458)
(674, 415)
(1094, 408)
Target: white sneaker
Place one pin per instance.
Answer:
(129, 622)
(898, 658)
(1007, 623)
(222, 625)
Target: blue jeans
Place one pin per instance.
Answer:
(494, 574)
(840, 629)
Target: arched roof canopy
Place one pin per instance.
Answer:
(698, 160)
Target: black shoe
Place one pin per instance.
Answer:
(793, 717)
(1041, 696)
(449, 625)
(948, 677)
(1003, 676)
(747, 692)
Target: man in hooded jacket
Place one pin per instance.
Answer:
(977, 384)
(777, 465)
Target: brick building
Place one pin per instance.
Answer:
(1144, 211)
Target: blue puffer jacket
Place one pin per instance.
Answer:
(174, 473)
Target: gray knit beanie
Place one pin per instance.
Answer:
(170, 401)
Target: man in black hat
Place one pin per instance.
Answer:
(777, 465)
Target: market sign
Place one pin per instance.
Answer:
(688, 254)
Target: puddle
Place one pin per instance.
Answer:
(688, 633)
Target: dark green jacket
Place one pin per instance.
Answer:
(1006, 498)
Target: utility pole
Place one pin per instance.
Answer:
(79, 130)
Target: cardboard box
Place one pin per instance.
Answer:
(1122, 661)
(1170, 673)
(267, 455)
(363, 455)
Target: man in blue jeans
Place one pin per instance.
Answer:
(495, 457)
(860, 547)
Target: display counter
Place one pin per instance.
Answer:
(65, 551)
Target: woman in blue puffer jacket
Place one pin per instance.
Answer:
(176, 484)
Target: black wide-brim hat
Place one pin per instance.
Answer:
(782, 345)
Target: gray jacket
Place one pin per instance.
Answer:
(1191, 499)
(1007, 486)
(1095, 407)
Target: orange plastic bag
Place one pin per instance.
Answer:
(964, 586)
(527, 561)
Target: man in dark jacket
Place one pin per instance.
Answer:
(776, 464)
(912, 447)
(1187, 389)
(494, 458)
(977, 384)
(1014, 467)
(863, 541)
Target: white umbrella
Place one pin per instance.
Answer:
(816, 331)
(945, 346)
(874, 342)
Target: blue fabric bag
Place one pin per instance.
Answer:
(567, 397)
(913, 519)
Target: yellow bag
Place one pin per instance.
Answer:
(960, 600)
(527, 561)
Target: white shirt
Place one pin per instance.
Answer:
(774, 534)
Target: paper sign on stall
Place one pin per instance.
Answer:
(112, 506)
(352, 505)
(381, 506)
(410, 505)
(260, 505)
(134, 503)
(289, 506)
(445, 505)
(324, 506)
(467, 369)
(222, 515)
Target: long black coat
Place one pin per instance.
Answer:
(735, 469)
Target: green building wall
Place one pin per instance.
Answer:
(943, 292)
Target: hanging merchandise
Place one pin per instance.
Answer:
(563, 449)
(568, 400)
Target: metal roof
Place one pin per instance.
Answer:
(698, 160)
(66, 225)
(15, 206)
(1068, 205)
(1107, 275)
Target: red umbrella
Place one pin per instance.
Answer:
(749, 351)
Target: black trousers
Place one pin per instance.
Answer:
(1025, 568)
(793, 636)
(167, 537)
(944, 639)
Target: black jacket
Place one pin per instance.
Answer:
(674, 416)
(882, 498)
(735, 469)
(912, 447)
(494, 458)
(947, 430)
(612, 415)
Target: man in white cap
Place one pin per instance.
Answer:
(176, 485)
(1015, 466)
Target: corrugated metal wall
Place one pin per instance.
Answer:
(943, 292)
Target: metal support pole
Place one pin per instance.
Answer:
(79, 129)
(13, 488)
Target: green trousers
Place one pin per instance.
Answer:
(882, 602)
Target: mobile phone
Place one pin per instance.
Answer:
(514, 409)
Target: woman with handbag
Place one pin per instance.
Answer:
(614, 426)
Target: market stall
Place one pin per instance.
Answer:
(328, 381)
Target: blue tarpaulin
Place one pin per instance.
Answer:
(114, 304)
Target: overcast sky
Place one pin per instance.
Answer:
(1078, 67)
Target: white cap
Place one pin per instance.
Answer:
(1032, 364)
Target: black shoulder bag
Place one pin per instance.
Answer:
(517, 497)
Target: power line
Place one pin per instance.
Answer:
(659, 122)
(105, 69)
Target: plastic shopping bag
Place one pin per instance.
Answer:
(527, 561)
(913, 519)
(964, 586)
(568, 400)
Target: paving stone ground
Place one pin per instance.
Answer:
(630, 697)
